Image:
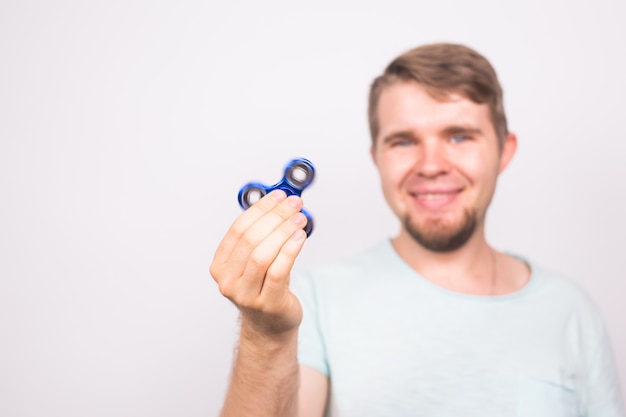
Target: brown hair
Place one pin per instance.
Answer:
(444, 68)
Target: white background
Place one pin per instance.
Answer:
(127, 128)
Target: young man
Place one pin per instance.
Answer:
(434, 322)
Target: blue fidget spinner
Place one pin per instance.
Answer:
(299, 174)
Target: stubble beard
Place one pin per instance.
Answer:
(437, 236)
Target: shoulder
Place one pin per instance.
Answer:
(559, 291)
(551, 280)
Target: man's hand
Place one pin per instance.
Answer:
(253, 262)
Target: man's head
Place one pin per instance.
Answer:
(439, 141)
(442, 69)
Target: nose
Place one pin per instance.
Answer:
(433, 159)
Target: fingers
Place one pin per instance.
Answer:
(244, 221)
(277, 219)
(277, 276)
(266, 238)
(274, 256)
(264, 297)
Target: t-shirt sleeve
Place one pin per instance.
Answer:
(311, 348)
(605, 398)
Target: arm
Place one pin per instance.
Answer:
(283, 395)
(265, 377)
(313, 393)
(252, 266)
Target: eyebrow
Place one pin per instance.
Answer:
(454, 130)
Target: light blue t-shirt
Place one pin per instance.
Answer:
(394, 344)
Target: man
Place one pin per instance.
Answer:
(434, 322)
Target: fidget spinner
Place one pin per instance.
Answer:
(299, 174)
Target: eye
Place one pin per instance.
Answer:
(403, 142)
(459, 138)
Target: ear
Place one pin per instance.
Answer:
(373, 154)
(508, 150)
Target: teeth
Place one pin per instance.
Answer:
(432, 196)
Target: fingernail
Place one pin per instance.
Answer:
(278, 195)
(299, 218)
(294, 201)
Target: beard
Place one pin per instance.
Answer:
(437, 236)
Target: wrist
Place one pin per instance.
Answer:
(266, 339)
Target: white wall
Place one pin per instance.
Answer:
(127, 128)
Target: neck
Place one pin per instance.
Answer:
(471, 269)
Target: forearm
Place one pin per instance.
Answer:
(265, 377)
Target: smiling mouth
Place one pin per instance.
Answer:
(435, 199)
(434, 195)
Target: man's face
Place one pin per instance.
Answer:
(438, 162)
